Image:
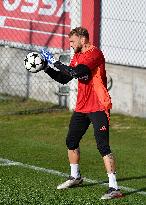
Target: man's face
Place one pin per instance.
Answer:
(76, 43)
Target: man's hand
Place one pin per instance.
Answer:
(48, 56)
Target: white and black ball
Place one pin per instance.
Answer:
(34, 62)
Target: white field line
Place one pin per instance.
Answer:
(7, 162)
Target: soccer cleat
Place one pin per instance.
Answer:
(112, 194)
(70, 183)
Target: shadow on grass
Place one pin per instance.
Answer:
(125, 192)
(89, 184)
(131, 178)
(125, 179)
(84, 185)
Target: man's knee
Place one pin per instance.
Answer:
(71, 143)
(104, 150)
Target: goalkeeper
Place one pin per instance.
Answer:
(92, 106)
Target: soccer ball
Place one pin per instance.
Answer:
(34, 62)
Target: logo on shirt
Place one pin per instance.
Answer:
(103, 128)
(85, 77)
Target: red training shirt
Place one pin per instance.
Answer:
(88, 97)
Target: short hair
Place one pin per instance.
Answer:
(79, 31)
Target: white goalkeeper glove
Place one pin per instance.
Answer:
(48, 56)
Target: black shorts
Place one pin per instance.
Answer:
(79, 124)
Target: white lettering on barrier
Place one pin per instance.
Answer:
(33, 5)
(11, 6)
(31, 8)
(51, 10)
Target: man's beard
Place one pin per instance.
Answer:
(78, 49)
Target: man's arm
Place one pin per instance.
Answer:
(81, 71)
(58, 75)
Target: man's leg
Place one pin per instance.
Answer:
(101, 132)
(109, 163)
(74, 159)
(74, 156)
(78, 125)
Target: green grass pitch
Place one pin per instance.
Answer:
(37, 141)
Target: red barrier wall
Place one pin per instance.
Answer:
(45, 23)
(91, 19)
(34, 23)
